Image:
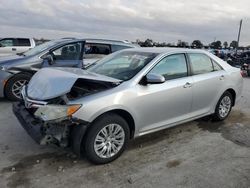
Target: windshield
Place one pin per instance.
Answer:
(122, 65)
(41, 47)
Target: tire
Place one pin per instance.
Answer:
(93, 154)
(222, 111)
(17, 80)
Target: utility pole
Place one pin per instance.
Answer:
(238, 41)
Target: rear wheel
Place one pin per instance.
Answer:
(107, 139)
(223, 107)
(14, 85)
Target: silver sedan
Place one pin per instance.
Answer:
(125, 95)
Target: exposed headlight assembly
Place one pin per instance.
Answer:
(53, 112)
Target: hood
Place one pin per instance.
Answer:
(49, 83)
(10, 61)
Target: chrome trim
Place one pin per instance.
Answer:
(30, 102)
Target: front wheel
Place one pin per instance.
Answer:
(14, 85)
(223, 107)
(107, 139)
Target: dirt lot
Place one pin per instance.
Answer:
(196, 154)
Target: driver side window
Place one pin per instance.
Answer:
(171, 67)
(68, 52)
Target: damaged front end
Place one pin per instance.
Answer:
(46, 111)
(47, 123)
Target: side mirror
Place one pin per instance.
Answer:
(49, 59)
(155, 79)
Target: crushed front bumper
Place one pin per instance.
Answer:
(29, 123)
(63, 134)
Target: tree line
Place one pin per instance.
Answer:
(195, 44)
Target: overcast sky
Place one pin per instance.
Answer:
(160, 20)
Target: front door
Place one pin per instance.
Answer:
(160, 105)
(68, 55)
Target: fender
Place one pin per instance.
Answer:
(15, 70)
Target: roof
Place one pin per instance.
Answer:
(102, 41)
(161, 50)
(122, 42)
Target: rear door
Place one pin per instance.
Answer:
(208, 79)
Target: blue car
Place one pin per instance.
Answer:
(17, 70)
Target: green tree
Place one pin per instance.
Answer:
(216, 45)
(197, 44)
(149, 43)
(225, 44)
(182, 44)
(234, 44)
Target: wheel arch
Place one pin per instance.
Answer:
(12, 77)
(233, 93)
(125, 115)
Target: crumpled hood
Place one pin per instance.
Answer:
(49, 83)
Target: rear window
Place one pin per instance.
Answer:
(23, 42)
(217, 67)
(200, 63)
(101, 49)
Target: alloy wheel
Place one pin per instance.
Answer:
(225, 106)
(17, 87)
(109, 141)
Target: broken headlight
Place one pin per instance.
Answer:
(53, 112)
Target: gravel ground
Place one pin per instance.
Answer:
(196, 154)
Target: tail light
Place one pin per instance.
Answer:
(242, 73)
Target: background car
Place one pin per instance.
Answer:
(241, 60)
(13, 46)
(16, 71)
(125, 95)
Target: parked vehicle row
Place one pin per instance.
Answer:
(13, 46)
(242, 61)
(16, 71)
(126, 94)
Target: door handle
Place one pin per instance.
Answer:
(13, 49)
(187, 85)
(222, 77)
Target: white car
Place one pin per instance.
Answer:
(127, 94)
(13, 46)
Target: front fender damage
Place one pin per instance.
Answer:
(51, 132)
(46, 111)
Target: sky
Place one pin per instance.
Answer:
(160, 20)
